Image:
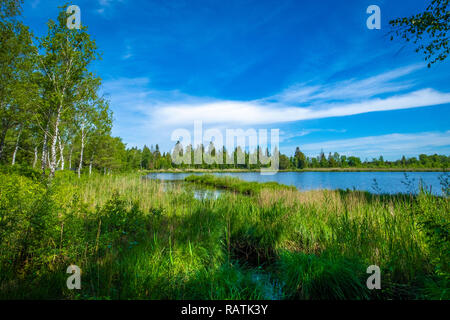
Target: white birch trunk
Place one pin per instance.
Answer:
(90, 167)
(70, 157)
(80, 166)
(35, 157)
(61, 150)
(54, 140)
(16, 147)
(44, 151)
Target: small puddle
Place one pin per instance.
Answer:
(272, 288)
(203, 194)
(199, 193)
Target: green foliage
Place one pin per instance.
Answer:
(118, 222)
(300, 161)
(284, 162)
(428, 30)
(21, 170)
(132, 240)
(49, 99)
(433, 216)
(17, 90)
(10, 8)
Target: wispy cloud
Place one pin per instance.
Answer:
(284, 136)
(386, 145)
(128, 53)
(254, 113)
(351, 89)
(106, 6)
(156, 113)
(35, 3)
(108, 3)
(382, 92)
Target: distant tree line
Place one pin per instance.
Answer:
(152, 159)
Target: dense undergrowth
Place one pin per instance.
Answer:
(135, 239)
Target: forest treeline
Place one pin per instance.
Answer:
(53, 116)
(151, 158)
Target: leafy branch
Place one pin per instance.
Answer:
(428, 30)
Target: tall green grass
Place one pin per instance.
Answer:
(235, 184)
(133, 238)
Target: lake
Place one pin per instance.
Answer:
(375, 182)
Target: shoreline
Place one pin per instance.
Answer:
(301, 170)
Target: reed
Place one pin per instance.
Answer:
(135, 238)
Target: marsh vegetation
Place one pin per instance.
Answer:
(135, 239)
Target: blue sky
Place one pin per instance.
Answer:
(309, 68)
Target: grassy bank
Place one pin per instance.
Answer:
(236, 184)
(135, 240)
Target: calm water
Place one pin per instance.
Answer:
(199, 192)
(386, 182)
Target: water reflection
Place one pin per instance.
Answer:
(207, 194)
(375, 182)
(198, 192)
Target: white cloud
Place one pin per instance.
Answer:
(35, 3)
(304, 132)
(127, 56)
(300, 102)
(151, 115)
(254, 113)
(106, 5)
(386, 145)
(349, 89)
(172, 108)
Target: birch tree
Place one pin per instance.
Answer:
(67, 54)
(92, 116)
